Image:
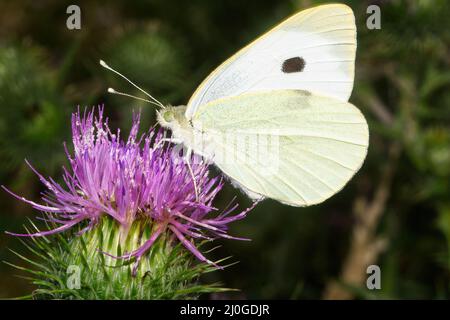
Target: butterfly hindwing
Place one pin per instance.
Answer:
(289, 145)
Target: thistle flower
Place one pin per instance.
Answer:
(128, 181)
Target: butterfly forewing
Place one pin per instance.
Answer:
(313, 50)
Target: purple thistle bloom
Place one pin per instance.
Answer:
(130, 180)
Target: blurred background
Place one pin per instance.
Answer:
(395, 213)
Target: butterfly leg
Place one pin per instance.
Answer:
(187, 158)
(169, 140)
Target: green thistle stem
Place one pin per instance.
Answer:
(72, 266)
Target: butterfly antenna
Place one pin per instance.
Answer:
(111, 90)
(156, 102)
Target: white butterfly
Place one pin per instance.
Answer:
(274, 117)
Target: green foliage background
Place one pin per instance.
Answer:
(402, 86)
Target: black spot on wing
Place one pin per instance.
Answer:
(291, 65)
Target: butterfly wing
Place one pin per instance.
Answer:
(313, 50)
(293, 146)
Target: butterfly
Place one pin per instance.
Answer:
(275, 117)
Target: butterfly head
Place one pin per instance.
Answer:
(172, 117)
